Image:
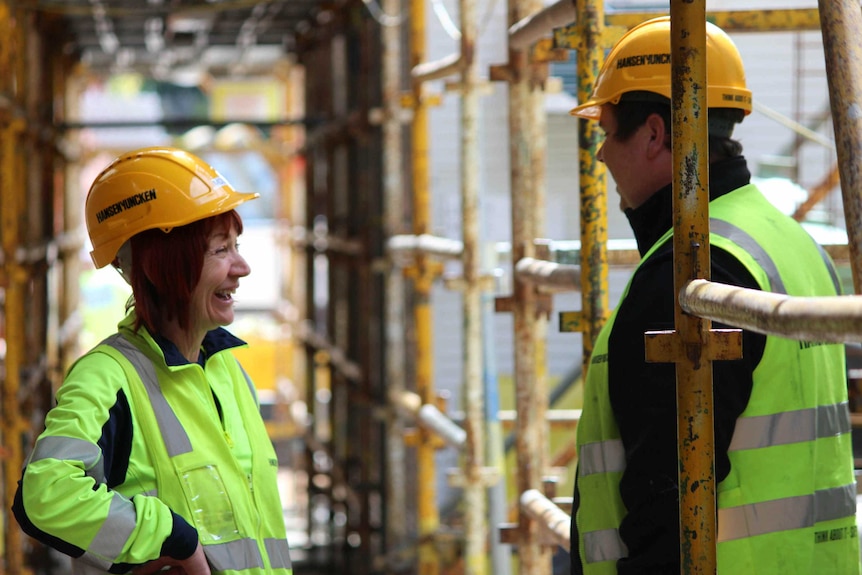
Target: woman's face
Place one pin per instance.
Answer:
(212, 299)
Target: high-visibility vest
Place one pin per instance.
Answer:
(788, 505)
(239, 518)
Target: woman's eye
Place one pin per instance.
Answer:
(225, 249)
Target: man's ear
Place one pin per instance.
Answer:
(659, 136)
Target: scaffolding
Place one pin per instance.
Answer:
(363, 261)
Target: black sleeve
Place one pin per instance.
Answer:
(643, 398)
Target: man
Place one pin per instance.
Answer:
(783, 463)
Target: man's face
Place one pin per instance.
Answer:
(640, 164)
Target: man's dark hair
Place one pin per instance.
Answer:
(635, 107)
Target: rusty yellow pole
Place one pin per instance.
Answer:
(691, 260)
(12, 216)
(12, 194)
(693, 346)
(429, 518)
(530, 387)
(12, 205)
(593, 184)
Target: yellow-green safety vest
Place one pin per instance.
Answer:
(239, 518)
(788, 505)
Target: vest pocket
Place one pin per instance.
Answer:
(209, 503)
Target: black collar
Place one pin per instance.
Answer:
(654, 217)
(214, 341)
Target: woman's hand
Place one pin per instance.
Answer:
(194, 565)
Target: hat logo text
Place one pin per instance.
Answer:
(643, 60)
(125, 204)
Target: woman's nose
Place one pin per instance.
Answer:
(240, 267)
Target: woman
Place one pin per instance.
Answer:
(155, 454)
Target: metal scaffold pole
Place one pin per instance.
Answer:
(691, 260)
(393, 194)
(12, 216)
(693, 346)
(593, 185)
(529, 371)
(423, 274)
(841, 25)
(475, 500)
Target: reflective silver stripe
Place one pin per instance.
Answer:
(833, 273)
(116, 529)
(604, 545)
(236, 555)
(601, 457)
(278, 552)
(72, 449)
(741, 238)
(788, 513)
(791, 427)
(176, 440)
(88, 564)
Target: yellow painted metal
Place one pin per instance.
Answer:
(593, 182)
(722, 344)
(741, 20)
(796, 19)
(12, 217)
(545, 51)
(12, 424)
(692, 343)
(428, 515)
(695, 432)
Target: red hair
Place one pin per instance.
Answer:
(166, 268)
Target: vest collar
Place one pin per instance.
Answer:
(215, 341)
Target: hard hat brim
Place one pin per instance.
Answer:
(589, 111)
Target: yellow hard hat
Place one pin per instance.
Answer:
(640, 62)
(153, 188)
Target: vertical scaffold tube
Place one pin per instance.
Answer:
(841, 25)
(530, 389)
(12, 209)
(593, 181)
(429, 518)
(475, 500)
(691, 260)
(393, 186)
